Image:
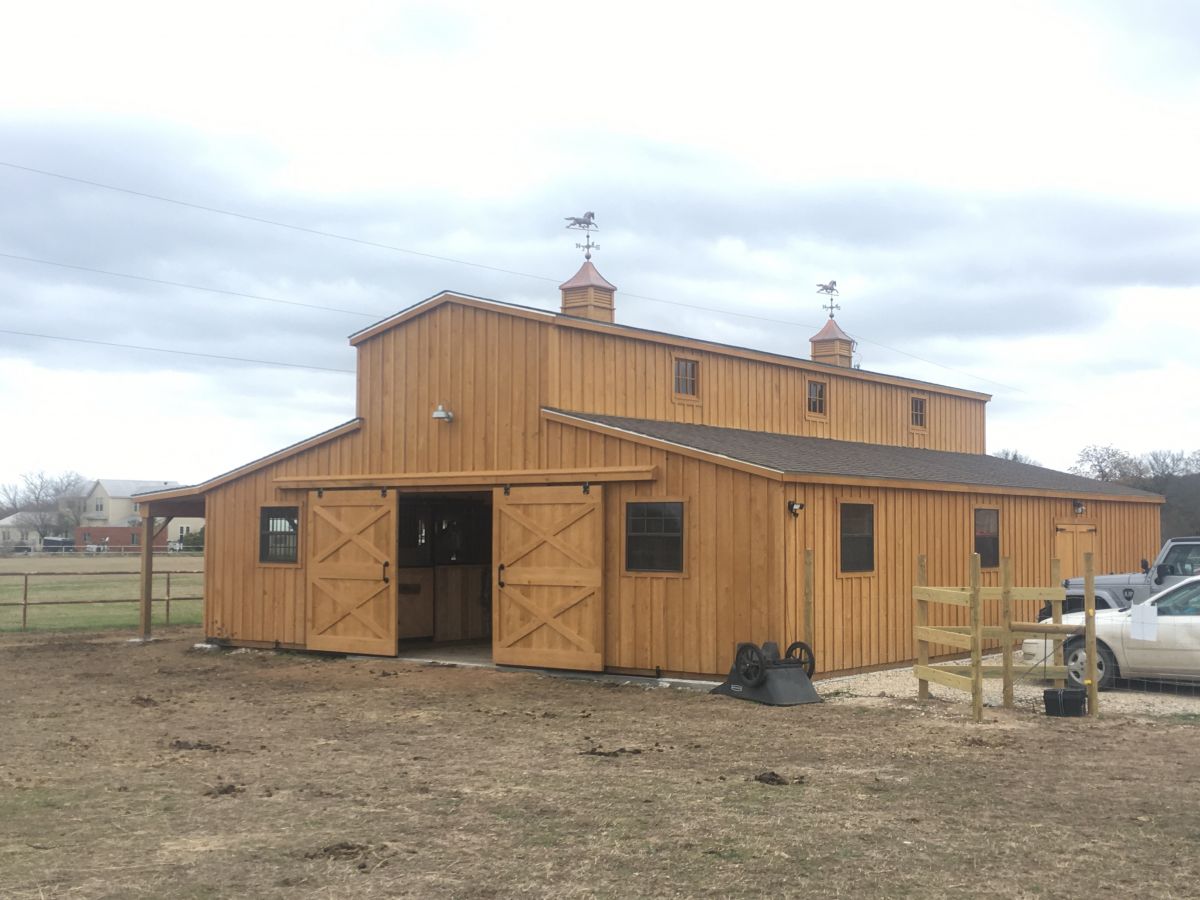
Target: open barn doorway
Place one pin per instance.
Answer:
(444, 569)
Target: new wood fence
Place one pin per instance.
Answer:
(969, 678)
(26, 601)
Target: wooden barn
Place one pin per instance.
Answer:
(587, 495)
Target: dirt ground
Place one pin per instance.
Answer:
(158, 770)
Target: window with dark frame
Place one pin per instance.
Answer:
(816, 398)
(654, 537)
(987, 537)
(918, 412)
(857, 537)
(278, 534)
(687, 377)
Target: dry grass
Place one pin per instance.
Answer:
(72, 577)
(158, 771)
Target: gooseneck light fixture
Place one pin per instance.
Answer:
(441, 414)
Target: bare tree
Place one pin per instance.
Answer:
(42, 501)
(1016, 456)
(1163, 463)
(1108, 464)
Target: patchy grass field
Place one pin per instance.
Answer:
(69, 577)
(156, 770)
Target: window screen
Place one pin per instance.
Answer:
(278, 532)
(987, 537)
(858, 537)
(654, 537)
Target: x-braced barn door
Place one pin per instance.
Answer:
(548, 549)
(351, 592)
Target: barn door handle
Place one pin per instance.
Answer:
(386, 580)
(500, 575)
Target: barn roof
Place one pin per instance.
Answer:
(814, 458)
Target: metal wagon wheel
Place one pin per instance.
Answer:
(750, 665)
(803, 653)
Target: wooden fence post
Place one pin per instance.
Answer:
(1056, 612)
(1089, 634)
(1006, 620)
(976, 642)
(147, 575)
(25, 603)
(168, 619)
(922, 620)
(810, 626)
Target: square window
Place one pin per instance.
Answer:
(687, 377)
(857, 529)
(654, 537)
(918, 412)
(278, 534)
(816, 398)
(987, 537)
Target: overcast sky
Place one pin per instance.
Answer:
(1006, 194)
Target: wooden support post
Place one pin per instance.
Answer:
(1006, 585)
(976, 642)
(168, 603)
(25, 603)
(1056, 612)
(810, 625)
(922, 621)
(1090, 678)
(147, 597)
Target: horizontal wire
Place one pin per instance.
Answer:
(463, 262)
(242, 359)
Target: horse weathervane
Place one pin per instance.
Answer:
(830, 290)
(585, 223)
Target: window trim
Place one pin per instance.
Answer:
(645, 573)
(693, 399)
(816, 416)
(858, 501)
(923, 428)
(279, 564)
(974, 537)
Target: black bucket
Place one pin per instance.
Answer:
(1065, 702)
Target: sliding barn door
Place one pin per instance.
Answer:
(547, 552)
(351, 591)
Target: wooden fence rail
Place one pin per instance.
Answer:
(25, 602)
(969, 678)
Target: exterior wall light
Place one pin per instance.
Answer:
(441, 414)
(1078, 508)
(794, 507)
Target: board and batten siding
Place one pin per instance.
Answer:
(744, 560)
(246, 601)
(495, 371)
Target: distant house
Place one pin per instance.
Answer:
(110, 504)
(17, 536)
(101, 538)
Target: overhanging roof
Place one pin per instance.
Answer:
(821, 460)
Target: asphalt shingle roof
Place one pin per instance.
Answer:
(822, 456)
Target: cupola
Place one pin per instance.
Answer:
(833, 346)
(588, 295)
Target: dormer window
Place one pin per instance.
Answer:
(686, 378)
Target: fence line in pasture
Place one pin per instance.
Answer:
(25, 602)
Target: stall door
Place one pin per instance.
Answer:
(1071, 541)
(548, 607)
(351, 591)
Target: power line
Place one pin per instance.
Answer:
(190, 287)
(450, 259)
(243, 359)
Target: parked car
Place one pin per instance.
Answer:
(1173, 653)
